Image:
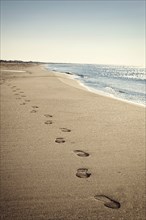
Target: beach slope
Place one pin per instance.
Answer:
(67, 153)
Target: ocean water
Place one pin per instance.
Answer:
(123, 82)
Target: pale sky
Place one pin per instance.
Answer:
(101, 32)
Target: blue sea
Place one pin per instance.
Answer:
(127, 83)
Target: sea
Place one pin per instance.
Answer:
(127, 83)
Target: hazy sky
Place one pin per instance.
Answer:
(102, 32)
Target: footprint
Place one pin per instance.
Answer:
(23, 96)
(108, 202)
(49, 122)
(27, 100)
(21, 92)
(81, 153)
(59, 140)
(48, 116)
(33, 111)
(83, 173)
(34, 106)
(23, 103)
(16, 94)
(65, 129)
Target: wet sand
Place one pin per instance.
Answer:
(66, 153)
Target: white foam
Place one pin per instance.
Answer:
(109, 92)
(98, 92)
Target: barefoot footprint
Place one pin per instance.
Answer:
(81, 153)
(35, 106)
(59, 140)
(23, 103)
(48, 116)
(49, 122)
(65, 129)
(108, 202)
(27, 100)
(83, 173)
(33, 111)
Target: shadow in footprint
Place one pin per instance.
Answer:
(59, 140)
(48, 116)
(23, 103)
(81, 153)
(83, 173)
(108, 202)
(34, 106)
(33, 111)
(27, 100)
(65, 129)
(49, 122)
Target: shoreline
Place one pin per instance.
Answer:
(67, 153)
(92, 90)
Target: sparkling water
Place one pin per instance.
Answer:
(122, 82)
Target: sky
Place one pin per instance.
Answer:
(99, 32)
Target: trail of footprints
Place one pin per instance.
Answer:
(21, 96)
(84, 172)
(81, 172)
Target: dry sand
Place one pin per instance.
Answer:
(66, 153)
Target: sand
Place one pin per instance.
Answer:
(67, 153)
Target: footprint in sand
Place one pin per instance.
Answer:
(16, 94)
(27, 100)
(48, 116)
(65, 129)
(21, 92)
(81, 153)
(108, 202)
(33, 111)
(49, 122)
(59, 140)
(23, 96)
(83, 173)
(23, 103)
(35, 106)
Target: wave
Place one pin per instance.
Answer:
(124, 82)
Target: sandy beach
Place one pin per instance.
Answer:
(67, 153)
